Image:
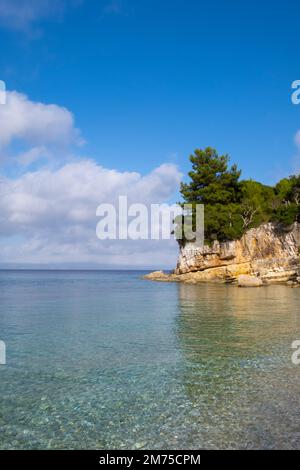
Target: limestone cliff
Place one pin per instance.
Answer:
(268, 252)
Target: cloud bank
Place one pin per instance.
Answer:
(48, 214)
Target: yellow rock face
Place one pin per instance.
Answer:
(265, 252)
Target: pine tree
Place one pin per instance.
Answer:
(211, 181)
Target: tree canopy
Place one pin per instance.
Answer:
(232, 205)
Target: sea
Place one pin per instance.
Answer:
(108, 360)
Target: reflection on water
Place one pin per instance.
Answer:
(236, 323)
(237, 348)
(105, 360)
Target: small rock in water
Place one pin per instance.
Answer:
(245, 280)
(139, 445)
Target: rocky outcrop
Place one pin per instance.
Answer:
(268, 252)
(156, 276)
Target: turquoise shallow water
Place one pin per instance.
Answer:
(107, 360)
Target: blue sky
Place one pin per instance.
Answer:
(149, 81)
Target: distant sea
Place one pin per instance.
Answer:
(106, 360)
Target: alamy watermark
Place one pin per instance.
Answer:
(2, 92)
(296, 354)
(2, 353)
(295, 358)
(296, 93)
(136, 221)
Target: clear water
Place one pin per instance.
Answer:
(105, 360)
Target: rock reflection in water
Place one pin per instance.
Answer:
(239, 375)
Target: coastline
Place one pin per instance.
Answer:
(263, 255)
(200, 277)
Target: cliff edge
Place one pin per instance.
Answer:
(267, 252)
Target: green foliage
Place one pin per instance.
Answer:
(286, 215)
(233, 206)
(222, 222)
(256, 203)
(288, 190)
(211, 181)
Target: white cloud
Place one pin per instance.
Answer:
(49, 215)
(35, 123)
(53, 212)
(33, 155)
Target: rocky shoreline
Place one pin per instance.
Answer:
(264, 255)
(194, 278)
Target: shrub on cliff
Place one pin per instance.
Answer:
(287, 207)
